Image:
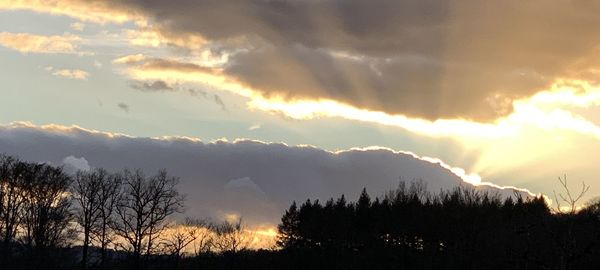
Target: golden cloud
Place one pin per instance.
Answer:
(29, 43)
(400, 63)
(71, 73)
(544, 110)
(92, 10)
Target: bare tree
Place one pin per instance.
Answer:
(12, 199)
(107, 199)
(143, 208)
(86, 192)
(231, 236)
(204, 235)
(47, 207)
(6, 164)
(165, 200)
(182, 236)
(568, 198)
(565, 240)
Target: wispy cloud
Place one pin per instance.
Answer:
(76, 74)
(152, 86)
(77, 26)
(94, 11)
(130, 59)
(123, 106)
(29, 43)
(220, 102)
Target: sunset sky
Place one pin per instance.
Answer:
(256, 103)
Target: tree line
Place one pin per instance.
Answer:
(409, 228)
(101, 220)
(95, 219)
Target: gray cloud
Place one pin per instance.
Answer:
(197, 92)
(220, 102)
(73, 164)
(123, 106)
(254, 179)
(152, 86)
(159, 85)
(244, 183)
(455, 59)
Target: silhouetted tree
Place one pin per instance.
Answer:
(108, 195)
(407, 228)
(182, 236)
(204, 235)
(564, 234)
(567, 197)
(289, 234)
(231, 236)
(143, 208)
(13, 195)
(47, 214)
(86, 192)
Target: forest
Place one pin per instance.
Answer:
(51, 219)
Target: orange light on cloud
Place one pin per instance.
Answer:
(94, 11)
(544, 110)
(29, 43)
(69, 73)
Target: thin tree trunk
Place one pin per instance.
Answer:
(103, 248)
(86, 243)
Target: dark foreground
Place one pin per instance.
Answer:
(45, 214)
(406, 229)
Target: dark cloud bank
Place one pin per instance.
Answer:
(257, 180)
(424, 58)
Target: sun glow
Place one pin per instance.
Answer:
(548, 110)
(504, 144)
(200, 238)
(309, 109)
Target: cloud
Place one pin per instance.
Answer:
(216, 98)
(77, 26)
(419, 59)
(157, 74)
(73, 164)
(253, 179)
(130, 59)
(69, 73)
(244, 184)
(99, 11)
(454, 60)
(220, 102)
(149, 64)
(123, 106)
(151, 37)
(197, 92)
(526, 114)
(153, 86)
(254, 127)
(29, 43)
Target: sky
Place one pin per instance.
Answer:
(256, 103)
